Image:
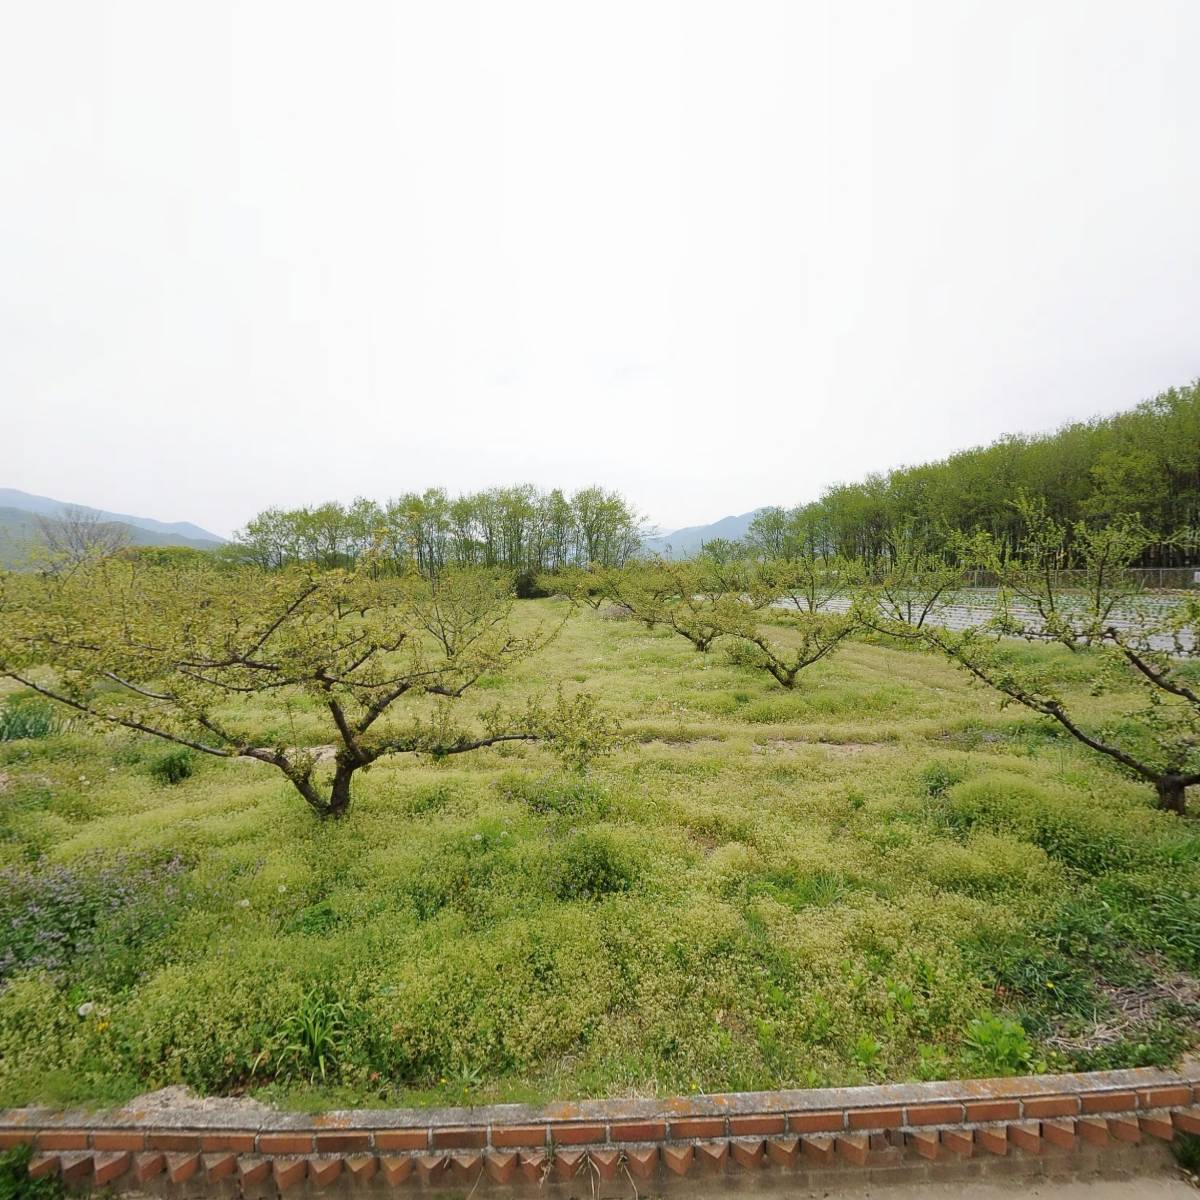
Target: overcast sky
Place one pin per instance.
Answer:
(716, 255)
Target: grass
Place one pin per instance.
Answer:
(880, 875)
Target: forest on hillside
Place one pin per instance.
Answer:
(1144, 462)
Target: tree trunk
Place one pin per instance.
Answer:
(1172, 794)
(339, 792)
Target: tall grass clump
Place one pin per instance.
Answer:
(28, 719)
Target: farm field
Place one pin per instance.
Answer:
(879, 875)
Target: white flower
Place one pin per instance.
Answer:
(282, 888)
(86, 1008)
(243, 903)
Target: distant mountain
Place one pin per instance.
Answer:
(683, 543)
(45, 506)
(19, 512)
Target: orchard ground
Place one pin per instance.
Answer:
(880, 875)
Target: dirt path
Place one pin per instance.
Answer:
(1154, 1187)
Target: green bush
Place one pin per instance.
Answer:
(562, 796)
(1077, 830)
(173, 767)
(15, 1183)
(936, 778)
(1000, 1046)
(589, 867)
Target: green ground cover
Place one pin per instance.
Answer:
(880, 875)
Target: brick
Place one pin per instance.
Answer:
(362, 1167)
(323, 1171)
(500, 1165)
(1093, 1130)
(784, 1151)
(817, 1122)
(118, 1140)
(1060, 1133)
(879, 1141)
(960, 1141)
(237, 1143)
(1026, 1135)
(75, 1167)
(994, 1110)
(567, 1134)
(401, 1139)
(44, 1166)
(852, 1147)
(15, 1137)
(431, 1167)
(533, 1165)
(219, 1166)
(698, 1127)
(885, 1156)
(994, 1140)
(1165, 1097)
(285, 1143)
(1124, 1129)
(107, 1167)
(818, 1149)
(642, 1161)
(678, 1159)
(712, 1155)
(289, 1172)
(1158, 1125)
(748, 1153)
(395, 1170)
(182, 1165)
(466, 1164)
(62, 1141)
(568, 1163)
(146, 1166)
(765, 1123)
(343, 1143)
(518, 1135)
(178, 1143)
(606, 1163)
(875, 1118)
(933, 1114)
(253, 1170)
(461, 1137)
(1188, 1120)
(927, 1145)
(1108, 1102)
(1051, 1106)
(639, 1131)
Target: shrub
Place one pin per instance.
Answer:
(172, 767)
(51, 919)
(566, 796)
(999, 1046)
(15, 1183)
(27, 719)
(589, 867)
(937, 777)
(1077, 830)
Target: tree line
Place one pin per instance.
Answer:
(1144, 462)
(522, 530)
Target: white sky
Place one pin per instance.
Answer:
(716, 255)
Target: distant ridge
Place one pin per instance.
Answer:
(683, 543)
(45, 506)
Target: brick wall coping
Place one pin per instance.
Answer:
(1126, 1090)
